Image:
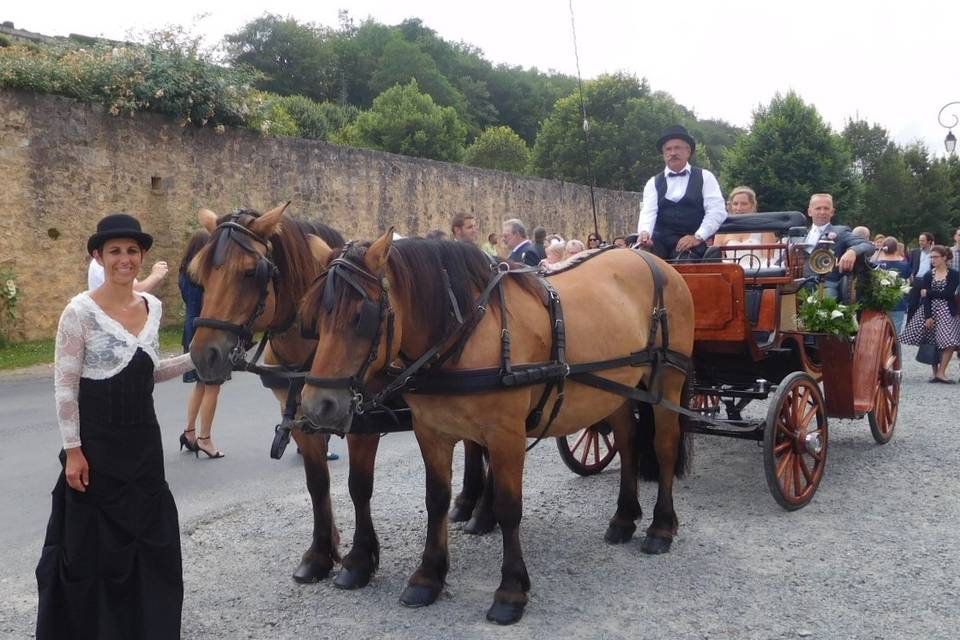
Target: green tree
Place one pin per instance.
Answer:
(403, 120)
(498, 148)
(624, 121)
(789, 154)
(867, 143)
(295, 58)
(402, 62)
(316, 120)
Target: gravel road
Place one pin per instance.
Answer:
(873, 556)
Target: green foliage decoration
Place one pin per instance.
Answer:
(498, 148)
(820, 314)
(403, 120)
(882, 290)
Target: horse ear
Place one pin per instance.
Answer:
(265, 225)
(320, 249)
(376, 256)
(207, 219)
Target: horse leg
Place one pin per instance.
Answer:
(666, 442)
(623, 523)
(320, 557)
(506, 464)
(483, 520)
(473, 481)
(364, 557)
(425, 584)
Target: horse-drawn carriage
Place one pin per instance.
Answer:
(469, 333)
(748, 347)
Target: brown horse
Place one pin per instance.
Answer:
(237, 274)
(608, 304)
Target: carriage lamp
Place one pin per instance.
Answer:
(950, 142)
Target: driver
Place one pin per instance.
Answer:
(682, 206)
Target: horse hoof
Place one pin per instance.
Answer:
(461, 513)
(505, 612)
(617, 534)
(416, 596)
(479, 526)
(350, 579)
(655, 546)
(310, 572)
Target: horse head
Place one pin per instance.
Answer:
(350, 309)
(239, 279)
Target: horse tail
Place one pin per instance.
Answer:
(648, 467)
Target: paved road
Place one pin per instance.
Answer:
(30, 442)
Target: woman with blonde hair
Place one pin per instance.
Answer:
(744, 200)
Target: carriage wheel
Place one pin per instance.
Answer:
(705, 403)
(588, 451)
(886, 397)
(795, 441)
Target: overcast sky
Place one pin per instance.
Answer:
(894, 63)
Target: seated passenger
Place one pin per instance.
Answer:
(848, 247)
(744, 200)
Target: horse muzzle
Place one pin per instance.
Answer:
(328, 410)
(213, 361)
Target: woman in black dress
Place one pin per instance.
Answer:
(110, 566)
(935, 320)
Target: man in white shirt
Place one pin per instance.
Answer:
(683, 206)
(847, 246)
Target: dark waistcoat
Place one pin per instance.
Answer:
(684, 216)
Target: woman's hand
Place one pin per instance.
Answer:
(928, 323)
(77, 470)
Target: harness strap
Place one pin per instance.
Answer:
(558, 353)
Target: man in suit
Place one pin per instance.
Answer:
(682, 206)
(521, 249)
(919, 266)
(847, 246)
(464, 228)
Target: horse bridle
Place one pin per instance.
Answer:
(369, 323)
(265, 273)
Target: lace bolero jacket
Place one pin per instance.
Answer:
(91, 344)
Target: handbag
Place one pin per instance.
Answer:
(928, 353)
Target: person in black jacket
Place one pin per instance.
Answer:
(936, 320)
(521, 249)
(849, 248)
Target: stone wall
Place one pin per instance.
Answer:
(64, 164)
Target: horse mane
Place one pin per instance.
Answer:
(417, 265)
(290, 251)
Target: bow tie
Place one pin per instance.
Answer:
(671, 174)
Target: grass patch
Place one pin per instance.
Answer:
(17, 355)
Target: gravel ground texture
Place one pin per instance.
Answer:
(874, 555)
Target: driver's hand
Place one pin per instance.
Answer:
(847, 261)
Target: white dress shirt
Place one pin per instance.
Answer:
(714, 207)
(924, 265)
(813, 236)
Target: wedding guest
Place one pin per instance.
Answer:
(935, 320)
(891, 260)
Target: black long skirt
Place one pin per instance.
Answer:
(111, 565)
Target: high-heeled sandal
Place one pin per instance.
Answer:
(185, 441)
(215, 454)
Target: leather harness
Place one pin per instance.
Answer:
(425, 375)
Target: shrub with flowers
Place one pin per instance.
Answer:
(820, 314)
(9, 297)
(882, 290)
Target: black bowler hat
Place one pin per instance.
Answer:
(676, 132)
(118, 225)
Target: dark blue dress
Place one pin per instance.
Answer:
(192, 295)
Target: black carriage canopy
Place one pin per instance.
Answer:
(776, 221)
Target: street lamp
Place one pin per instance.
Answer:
(950, 142)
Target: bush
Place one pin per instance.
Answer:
(498, 148)
(317, 120)
(174, 81)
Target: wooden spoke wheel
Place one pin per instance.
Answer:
(886, 397)
(795, 441)
(588, 451)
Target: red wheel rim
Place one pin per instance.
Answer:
(800, 445)
(886, 399)
(592, 448)
(707, 403)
